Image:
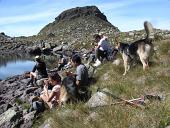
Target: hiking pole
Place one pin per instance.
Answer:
(129, 102)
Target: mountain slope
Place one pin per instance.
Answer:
(77, 25)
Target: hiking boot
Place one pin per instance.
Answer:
(97, 63)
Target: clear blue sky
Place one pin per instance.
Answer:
(28, 17)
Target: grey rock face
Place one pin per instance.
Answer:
(11, 118)
(97, 100)
(58, 48)
(80, 11)
(28, 120)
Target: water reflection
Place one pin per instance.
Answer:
(15, 68)
(11, 65)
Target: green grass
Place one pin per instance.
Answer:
(136, 83)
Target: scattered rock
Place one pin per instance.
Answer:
(106, 76)
(58, 48)
(11, 118)
(97, 100)
(46, 124)
(34, 50)
(92, 117)
(30, 90)
(117, 62)
(28, 120)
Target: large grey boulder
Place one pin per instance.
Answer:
(46, 124)
(30, 90)
(98, 99)
(65, 47)
(11, 118)
(4, 106)
(34, 50)
(47, 45)
(58, 48)
(28, 120)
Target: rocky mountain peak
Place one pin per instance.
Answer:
(77, 26)
(80, 12)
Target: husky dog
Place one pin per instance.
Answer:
(141, 48)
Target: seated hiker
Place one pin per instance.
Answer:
(39, 71)
(51, 97)
(62, 62)
(81, 77)
(101, 48)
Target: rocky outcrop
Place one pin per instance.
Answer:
(80, 12)
(77, 26)
(15, 98)
(12, 45)
(141, 34)
(99, 99)
(11, 118)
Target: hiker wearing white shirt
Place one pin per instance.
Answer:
(101, 49)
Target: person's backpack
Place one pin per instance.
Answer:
(36, 105)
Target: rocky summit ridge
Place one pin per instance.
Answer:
(77, 26)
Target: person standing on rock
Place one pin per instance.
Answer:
(39, 71)
(51, 97)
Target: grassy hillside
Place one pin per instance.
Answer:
(136, 83)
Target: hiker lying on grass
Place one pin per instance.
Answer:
(51, 97)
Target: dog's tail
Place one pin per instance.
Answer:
(149, 30)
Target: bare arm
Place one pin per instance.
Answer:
(47, 97)
(61, 61)
(51, 96)
(77, 83)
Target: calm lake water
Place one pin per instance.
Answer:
(17, 65)
(16, 68)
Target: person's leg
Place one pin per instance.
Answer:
(115, 51)
(98, 61)
(32, 76)
(101, 55)
(60, 66)
(105, 55)
(44, 98)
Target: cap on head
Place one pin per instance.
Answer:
(37, 58)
